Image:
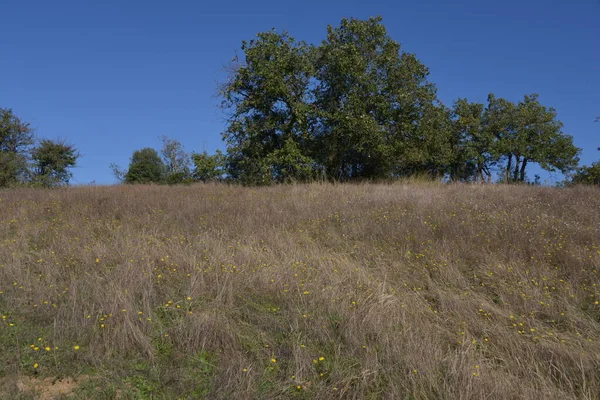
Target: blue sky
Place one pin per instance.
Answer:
(112, 76)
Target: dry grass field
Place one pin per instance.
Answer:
(400, 291)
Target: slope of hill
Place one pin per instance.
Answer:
(310, 291)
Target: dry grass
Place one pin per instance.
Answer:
(313, 291)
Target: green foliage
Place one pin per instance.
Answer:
(529, 132)
(587, 175)
(204, 367)
(510, 134)
(52, 161)
(371, 97)
(146, 166)
(16, 138)
(354, 107)
(288, 164)
(357, 107)
(429, 151)
(269, 99)
(207, 167)
(539, 138)
(177, 178)
(353, 65)
(472, 142)
(11, 166)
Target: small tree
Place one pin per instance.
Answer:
(146, 166)
(207, 167)
(16, 138)
(52, 162)
(176, 160)
(530, 132)
(117, 172)
(587, 175)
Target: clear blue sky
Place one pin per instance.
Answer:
(111, 76)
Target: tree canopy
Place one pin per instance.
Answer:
(145, 166)
(270, 101)
(16, 140)
(22, 163)
(587, 175)
(208, 168)
(511, 136)
(357, 107)
(52, 161)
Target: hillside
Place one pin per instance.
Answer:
(405, 291)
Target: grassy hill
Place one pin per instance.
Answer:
(404, 291)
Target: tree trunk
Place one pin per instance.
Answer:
(508, 168)
(523, 165)
(516, 170)
(488, 175)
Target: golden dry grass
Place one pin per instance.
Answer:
(404, 291)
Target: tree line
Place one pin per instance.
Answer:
(171, 165)
(358, 107)
(27, 161)
(354, 107)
